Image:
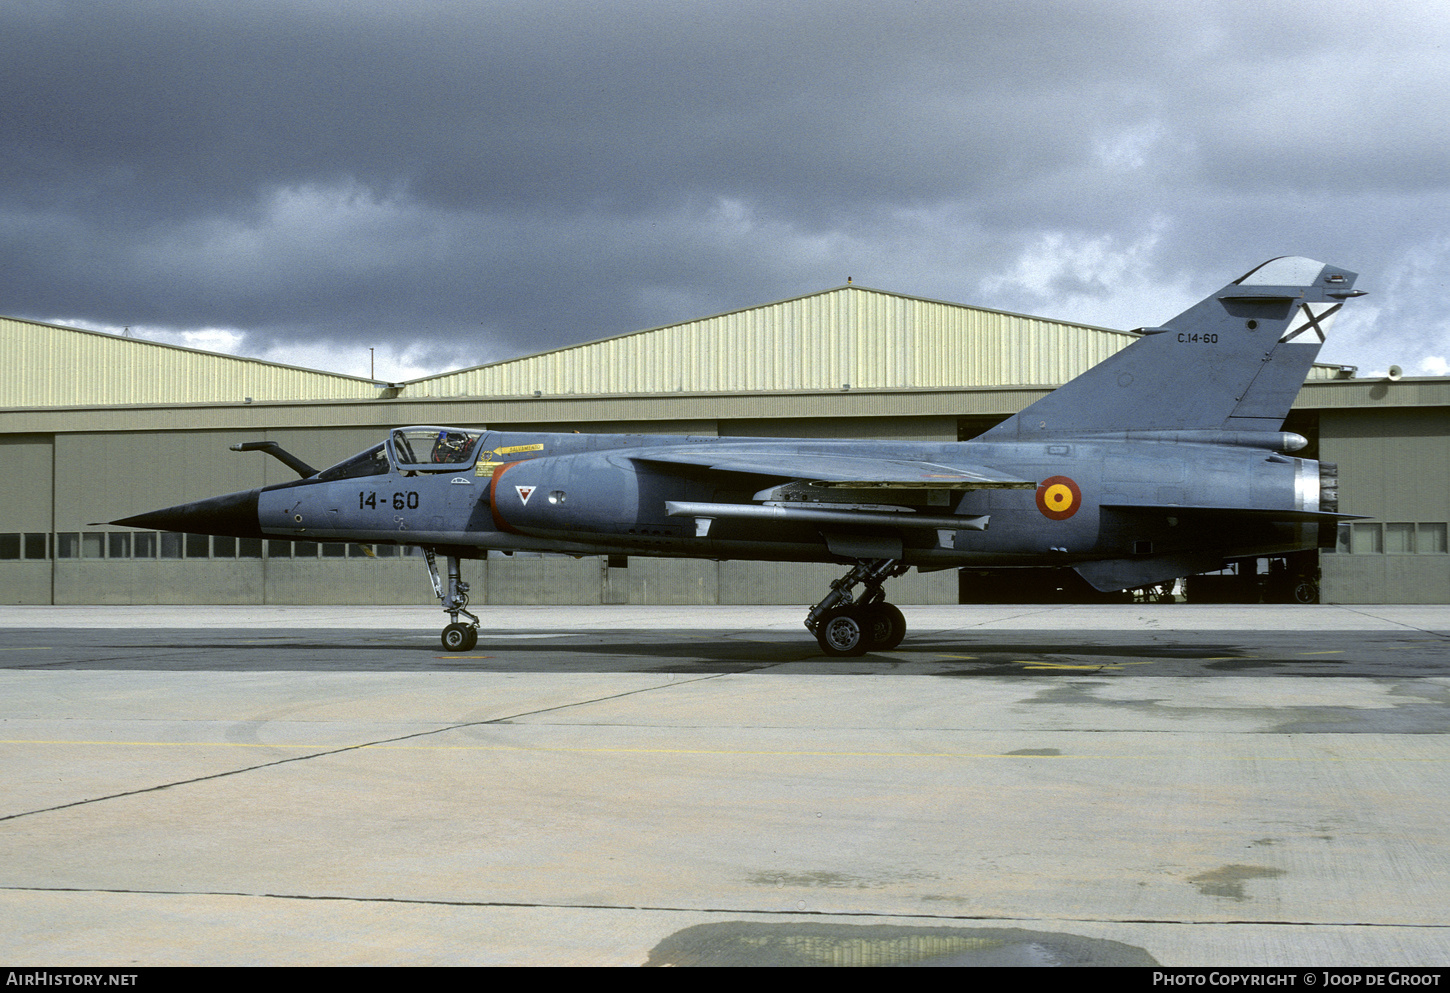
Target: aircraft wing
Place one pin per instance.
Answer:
(839, 471)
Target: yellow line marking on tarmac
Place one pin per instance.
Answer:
(1040, 664)
(1335, 652)
(1084, 665)
(1065, 665)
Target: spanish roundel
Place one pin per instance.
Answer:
(1058, 497)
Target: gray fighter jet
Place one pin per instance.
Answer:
(1165, 460)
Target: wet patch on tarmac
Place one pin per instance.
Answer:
(1399, 719)
(1418, 707)
(1228, 881)
(741, 943)
(833, 880)
(1241, 665)
(1083, 691)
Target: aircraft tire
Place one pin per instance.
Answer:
(885, 625)
(459, 638)
(843, 633)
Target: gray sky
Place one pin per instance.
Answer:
(462, 182)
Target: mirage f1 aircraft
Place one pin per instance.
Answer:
(1165, 460)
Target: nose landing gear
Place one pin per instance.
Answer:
(846, 627)
(457, 636)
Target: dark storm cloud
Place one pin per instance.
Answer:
(488, 180)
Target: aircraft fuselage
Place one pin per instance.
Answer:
(596, 494)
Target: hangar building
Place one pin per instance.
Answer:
(96, 427)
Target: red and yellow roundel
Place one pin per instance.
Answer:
(1058, 497)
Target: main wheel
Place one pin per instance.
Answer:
(843, 633)
(885, 625)
(460, 637)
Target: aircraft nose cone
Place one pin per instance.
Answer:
(234, 514)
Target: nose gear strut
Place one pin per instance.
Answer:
(846, 626)
(457, 637)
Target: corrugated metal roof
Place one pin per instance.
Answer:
(849, 335)
(47, 365)
(846, 337)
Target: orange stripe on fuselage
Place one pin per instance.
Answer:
(498, 520)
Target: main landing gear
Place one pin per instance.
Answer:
(844, 626)
(457, 637)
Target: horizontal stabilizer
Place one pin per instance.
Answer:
(839, 471)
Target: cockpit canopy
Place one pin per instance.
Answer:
(418, 449)
(434, 449)
(373, 462)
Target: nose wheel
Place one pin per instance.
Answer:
(457, 636)
(847, 627)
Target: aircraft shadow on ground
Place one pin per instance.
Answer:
(952, 655)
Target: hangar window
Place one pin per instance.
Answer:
(1399, 538)
(1394, 538)
(1431, 539)
(1367, 539)
(25, 546)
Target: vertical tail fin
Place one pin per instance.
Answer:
(1233, 361)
